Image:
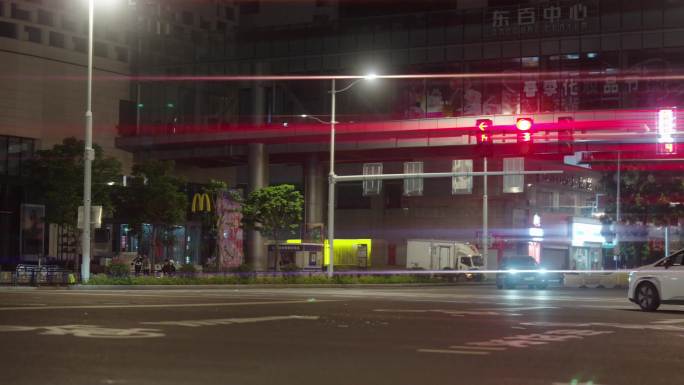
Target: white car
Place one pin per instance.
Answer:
(660, 282)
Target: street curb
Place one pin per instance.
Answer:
(14, 287)
(260, 286)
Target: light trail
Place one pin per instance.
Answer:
(579, 76)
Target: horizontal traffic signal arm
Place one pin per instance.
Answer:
(589, 125)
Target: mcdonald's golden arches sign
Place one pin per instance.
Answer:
(200, 203)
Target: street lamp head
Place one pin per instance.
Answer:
(304, 115)
(371, 76)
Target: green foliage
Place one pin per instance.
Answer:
(646, 196)
(272, 210)
(57, 180)
(154, 195)
(118, 269)
(314, 279)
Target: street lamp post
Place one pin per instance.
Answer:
(331, 185)
(88, 154)
(331, 174)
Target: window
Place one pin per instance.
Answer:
(674, 260)
(35, 35)
(413, 186)
(56, 39)
(79, 44)
(45, 17)
(20, 14)
(8, 30)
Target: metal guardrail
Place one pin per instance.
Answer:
(34, 275)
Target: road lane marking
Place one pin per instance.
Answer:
(87, 331)
(514, 309)
(447, 351)
(162, 306)
(669, 321)
(461, 347)
(522, 341)
(229, 321)
(453, 313)
(575, 383)
(658, 327)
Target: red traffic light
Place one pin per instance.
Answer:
(523, 124)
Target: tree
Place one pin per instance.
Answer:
(57, 177)
(154, 195)
(646, 197)
(273, 210)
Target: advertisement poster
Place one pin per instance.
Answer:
(231, 240)
(32, 231)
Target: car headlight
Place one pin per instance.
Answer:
(629, 277)
(512, 271)
(542, 271)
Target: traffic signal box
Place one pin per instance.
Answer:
(525, 135)
(566, 135)
(483, 136)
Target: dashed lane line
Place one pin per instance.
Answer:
(669, 321)
(447, 351)
(157, 306)
(461, 347)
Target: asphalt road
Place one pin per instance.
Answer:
(419, 335)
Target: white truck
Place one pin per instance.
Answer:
(432, 254)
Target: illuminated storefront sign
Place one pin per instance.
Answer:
(584, 234)
(550, 18)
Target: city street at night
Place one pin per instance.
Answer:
(347, 335)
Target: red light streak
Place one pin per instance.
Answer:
(485, 76)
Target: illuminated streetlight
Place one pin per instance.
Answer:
(331, 175)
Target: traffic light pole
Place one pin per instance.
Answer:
(485, 213)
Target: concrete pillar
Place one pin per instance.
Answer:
(257, 169)
(314, 197)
